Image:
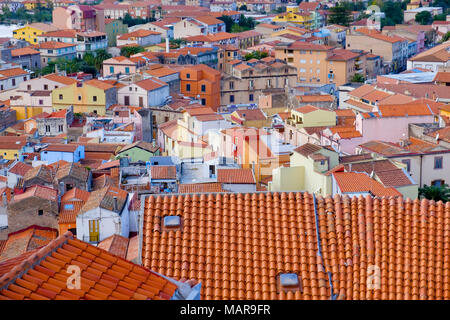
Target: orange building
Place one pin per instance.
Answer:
(202, 82)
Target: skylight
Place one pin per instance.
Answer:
(289, 280)
(172, 221)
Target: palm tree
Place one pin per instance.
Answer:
(435, 193)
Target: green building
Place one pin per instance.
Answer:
(113, 28)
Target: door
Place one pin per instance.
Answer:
(141, 102)
(127, 100)
(93, 231)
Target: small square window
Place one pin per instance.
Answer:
(172, 221)
(289, 279)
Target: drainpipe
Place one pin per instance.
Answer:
(420, 178)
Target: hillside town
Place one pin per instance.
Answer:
(225, 150)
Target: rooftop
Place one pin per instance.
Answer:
(237, 244)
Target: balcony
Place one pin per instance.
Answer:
(294, 123)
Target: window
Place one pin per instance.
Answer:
(46, 87)
(130, 89)
(28, 87)
(79, 98)
(60, 97)
(47, 128)
(188, 87)
(127, 69)
(41, 102)
(60, 128)
(250, 97)
(94, 98)
(231, 84)
(437, 183)
(203, 88)
(13, 82)
(111, 69)
(203, 101)
(303, 61)
(438, 162)
(231, 98)
(188, 75)
(40, 212)
(289, 282)
(408, 164)
(171, 222)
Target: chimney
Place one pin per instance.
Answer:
(115, 204)
(167, 45)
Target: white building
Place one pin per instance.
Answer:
(103, 215)
(149, 92)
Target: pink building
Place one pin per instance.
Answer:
(120, 65)
(79, 17)
(390, 123)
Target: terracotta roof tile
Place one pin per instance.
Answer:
(163, 172)
(308, 149)
(239, 176)
(200, 187)
(25, 240)
(356, 182)
(237, 244)
(20, 168)
(104, 275)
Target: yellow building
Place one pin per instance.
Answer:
(26, 112)
(311, 116)
(293, 15)
(30, 32)
(309, 164)
(444, 112)
(33, 4)
(11, 147)
(93, 96)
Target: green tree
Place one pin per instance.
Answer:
(228, 22)
(255, 55)
(243, 8)
(358, 78)
(340, 15)
(435, 193)
(393, 12)
(100, 56)
(129, 51)
(424, 18)
(440, 17)
(446, 37)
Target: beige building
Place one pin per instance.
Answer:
(249, 80)
(393, 49)
(317, 63)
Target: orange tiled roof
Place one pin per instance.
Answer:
(163, 172)
(27, 239)
(200, 187)
(23, 52)
(99, 84)
(60, 79)
(236, 245)
(55, 45)
(138, 34)
(14, 72)
(20, 168)
(358, 182)
(238, 176)
(104, 276)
